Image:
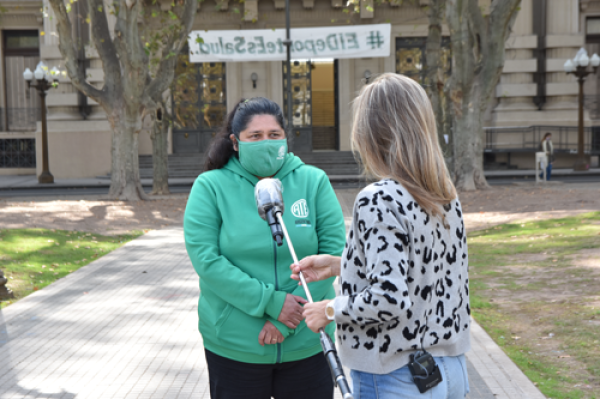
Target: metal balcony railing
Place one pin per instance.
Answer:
(528, 139)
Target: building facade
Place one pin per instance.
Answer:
(534, 94)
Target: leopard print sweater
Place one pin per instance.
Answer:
(404, 282)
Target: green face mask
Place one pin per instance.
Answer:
(262, 158)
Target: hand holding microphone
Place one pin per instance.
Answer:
(316, 268)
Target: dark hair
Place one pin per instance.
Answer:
(221, 149)
(546, 135)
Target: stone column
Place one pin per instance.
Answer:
(563, 39)
(346, 93)
(516, 88)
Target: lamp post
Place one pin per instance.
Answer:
(578, 66)
(43, 83)
(288, 67)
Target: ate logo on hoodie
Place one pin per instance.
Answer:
(300, 209)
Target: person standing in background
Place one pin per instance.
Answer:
(548, 149)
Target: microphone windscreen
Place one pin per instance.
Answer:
(267, 194)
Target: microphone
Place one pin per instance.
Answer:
(269, 202)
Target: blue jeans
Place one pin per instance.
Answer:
(399, 383)
(548, 172)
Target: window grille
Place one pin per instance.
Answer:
(411, 60)
(17, 153)
(199, 95)
(301, 93)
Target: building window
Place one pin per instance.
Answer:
(592, 30)
(411, 60)
(301, 93)
(199, 95)
(21, 42)
(17, 153)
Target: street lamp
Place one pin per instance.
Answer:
(578, 67)
(43, 83)
(288, 67)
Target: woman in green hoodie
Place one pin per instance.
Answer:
(250, 314)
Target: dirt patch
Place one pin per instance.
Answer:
(588, 258)
(511, 204)
(94, 215)
(527, 258)
(482, 209)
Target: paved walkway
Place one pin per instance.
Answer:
(125, 327)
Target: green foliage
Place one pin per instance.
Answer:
(34, 258)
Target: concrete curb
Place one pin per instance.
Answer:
(501, 375)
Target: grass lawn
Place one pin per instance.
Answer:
(34, 258)
(535, 288)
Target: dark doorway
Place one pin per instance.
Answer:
(22, 110)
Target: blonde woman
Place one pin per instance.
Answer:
(404, 270)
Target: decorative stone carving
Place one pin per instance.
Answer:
(367, 8)
(251, 10)
(223, 5)
(5, 293)
(583, 5)
(308, 3)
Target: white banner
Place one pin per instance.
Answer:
(356, 41)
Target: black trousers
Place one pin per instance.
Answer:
(303, 379)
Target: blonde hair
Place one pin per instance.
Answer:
(395, 134)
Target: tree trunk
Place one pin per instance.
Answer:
(477, 63)
(125, 178)
(433, 81)
(160, 156)
(468, 148)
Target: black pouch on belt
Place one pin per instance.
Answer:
(425, 372)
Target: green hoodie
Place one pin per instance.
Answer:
(244, 276)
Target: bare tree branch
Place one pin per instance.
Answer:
(478, 27)
(175, 43)
(104, 45)
(501, 19)
(67, 49)
(433, 47)
(134, 61)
